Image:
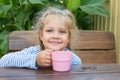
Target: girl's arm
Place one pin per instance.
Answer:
(24, 58)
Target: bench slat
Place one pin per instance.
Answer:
(19, 40)
(93, 40)
(97, 56)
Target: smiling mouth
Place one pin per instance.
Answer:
(55, 42)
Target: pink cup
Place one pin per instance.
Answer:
(61, 60)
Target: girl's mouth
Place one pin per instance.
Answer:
(55, 42)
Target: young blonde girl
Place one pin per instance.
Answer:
(55, 30)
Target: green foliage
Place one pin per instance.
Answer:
(82, 9)
(18, 14)
(93, 7)
(73, 4)
(3, 42)
(4, 9)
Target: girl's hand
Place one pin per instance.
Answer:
(44, 58)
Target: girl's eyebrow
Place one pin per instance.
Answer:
(63, 28)
(48, 27)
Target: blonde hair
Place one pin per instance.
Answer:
(39, 21)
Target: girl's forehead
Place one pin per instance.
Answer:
(56, 20)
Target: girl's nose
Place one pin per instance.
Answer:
(56, 35)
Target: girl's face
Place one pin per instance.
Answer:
(55, 34)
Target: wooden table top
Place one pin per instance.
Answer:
(87, 72)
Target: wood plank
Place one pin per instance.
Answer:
(21, 39)
(93, 40)
(97, 57)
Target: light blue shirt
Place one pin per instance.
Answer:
(26, 58)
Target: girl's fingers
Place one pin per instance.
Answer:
(48, 61)
(45, 58)
(48, 57)
(47, 65)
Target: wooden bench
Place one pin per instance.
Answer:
(93, 47)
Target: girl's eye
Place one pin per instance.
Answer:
(48, 30)
(62, 31)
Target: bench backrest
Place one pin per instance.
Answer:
(93, 47)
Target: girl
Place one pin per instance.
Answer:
(55, 30)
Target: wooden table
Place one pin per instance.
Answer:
(87, 72)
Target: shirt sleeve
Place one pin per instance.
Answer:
(24, 58)
(75, 59)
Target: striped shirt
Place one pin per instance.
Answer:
(26, 58)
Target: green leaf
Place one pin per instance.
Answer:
(3, 34)
(18, 26)
(94, 9)
(56, 4)
(4, 46)
(86, 2)
(37, 1)
(73, 4)
(4, 1)
(3, 42)
(4, 10)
